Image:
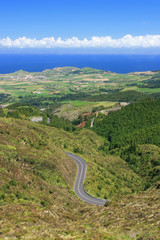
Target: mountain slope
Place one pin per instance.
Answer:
(37, 178)
(135, 122)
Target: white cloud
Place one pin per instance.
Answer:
(128, 41)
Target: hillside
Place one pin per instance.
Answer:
(31, 143)
(129, 133)
(139, 122)
(122, 152)
(37, 181)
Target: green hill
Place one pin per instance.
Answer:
(139, 122)
(36, 193)
(37, 200)
(125, 130)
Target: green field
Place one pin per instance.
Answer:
(65, 84)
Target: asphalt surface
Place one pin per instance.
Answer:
(92, 122)
(78, 187)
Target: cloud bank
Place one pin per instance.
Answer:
(128, 41)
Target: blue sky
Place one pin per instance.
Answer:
(49, 20)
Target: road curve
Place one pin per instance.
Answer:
(78, 187)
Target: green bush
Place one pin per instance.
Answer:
(2, 196)
(24, 186)
(77, 150)
(13, 182)
(44, 203)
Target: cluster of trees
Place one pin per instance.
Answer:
(21, 111)
(126, 131)
(5, 97)
(145, 162)
(1, 112)
(118, 96)
(78, 120)
(37, 101)
(154, 82)
(45, 101)
(57, 122)
(139, 122)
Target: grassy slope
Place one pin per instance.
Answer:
(36, 177)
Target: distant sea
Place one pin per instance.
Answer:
(115, 63)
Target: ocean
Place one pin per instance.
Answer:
(115, 63)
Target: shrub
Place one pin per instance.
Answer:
(2, 196)
(19, 195)
(44, 203)
(78, 150)
(13, 182)
(24, 186)
(99, 187)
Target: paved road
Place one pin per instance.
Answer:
(78, 187)
(92, 122)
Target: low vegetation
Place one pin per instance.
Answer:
(37, 180)
(122, 151)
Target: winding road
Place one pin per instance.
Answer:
(78, 187)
